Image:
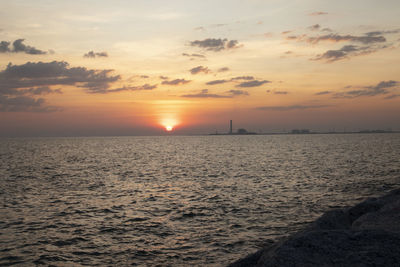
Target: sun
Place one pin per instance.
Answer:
(169, 123)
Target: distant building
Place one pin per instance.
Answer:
(301, 131)
(242, 131)
(239, 131)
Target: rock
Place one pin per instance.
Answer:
(369, 205)
(367, 234)
(336, 247)
(387, 218)
(331, 220)
(373, 204)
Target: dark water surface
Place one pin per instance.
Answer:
(180, 201)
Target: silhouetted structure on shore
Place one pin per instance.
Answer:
(301, 131)
(242, 131)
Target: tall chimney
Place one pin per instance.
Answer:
(230, 127)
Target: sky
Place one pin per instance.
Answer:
(95, 68)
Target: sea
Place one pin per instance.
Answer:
(177, 200)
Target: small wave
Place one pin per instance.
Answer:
(88, 253)
(137, 219)
(46, 259)
(69, 242)
(10, 260)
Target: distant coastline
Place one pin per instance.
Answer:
(203, 134)
(305, 132)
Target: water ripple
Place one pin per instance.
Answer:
(162, 201)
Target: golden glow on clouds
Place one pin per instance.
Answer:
(146, 40)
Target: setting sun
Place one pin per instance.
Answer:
(169, 123)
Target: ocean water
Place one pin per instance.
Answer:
(177, 201)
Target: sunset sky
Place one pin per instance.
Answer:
(77, 68)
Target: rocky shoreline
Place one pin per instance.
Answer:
(367, 234)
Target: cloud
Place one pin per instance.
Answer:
(23, 99)
(164, 77)
(392, 96)
(326, 30)
(238, 92)
(294, 37)
(193, 55)
(218, 25)
(314, 27)
(380, 89)
(286, 32)
(133, 88)
(253, 83)
(205, 94)
(145, 87)
(318, 13)
(223, 69)
(22, 85)
(291, 107)
(215, 45)
(278, 92)
(39, 74)
(24, 104)
(377, 33)
(281, 92)
(176, 82)
(344, 52)
(245, 81)
(339, 38)
(246, 78)
(40, 91)
(92, 54)
(199, 69)
(370, 42)
(19, 47)
(4, 47)
(232, 44)
(323, 93)
(216, 82)
(333, 37)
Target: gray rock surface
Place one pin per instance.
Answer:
(367, 234)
